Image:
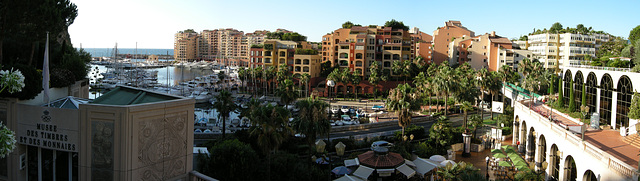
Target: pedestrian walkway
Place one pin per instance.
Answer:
(478, 159)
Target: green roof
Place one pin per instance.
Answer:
(130, 96)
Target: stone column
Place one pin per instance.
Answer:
(598, 100)
(515, 132)
(614, 105)
(539, 156)
(531, 147)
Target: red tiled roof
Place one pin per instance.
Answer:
(373, 160)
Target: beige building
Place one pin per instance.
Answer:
(307, 64)
(564, 49)
(126, 134)
(511, 57)
(185, 46)
(481, 51)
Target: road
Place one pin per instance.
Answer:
(455, 121)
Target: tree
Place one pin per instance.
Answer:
(634, 110)
(345, 78)
(396, 25)
(230, 156)
(556, 27)
(572, 101)
(286, 92)
(312, 120)
(440, 132)
(402, 100)
(446, 82)
(222, 76)
(347, 25)
(242, 75)
(634, 34)
(270, 126)
(270, 73)
(560, 96)
(304, 79)
(423, 86)
(375, 77)
(224, 105)
(484, 82)
(355, 79)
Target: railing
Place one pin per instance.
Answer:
(600, 68)
(197, 176)
(598, 154)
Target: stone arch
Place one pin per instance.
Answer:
(592, 94)
(523, 133)
(589, 176)
(554, 162)
(542, 150)
(531, 144)
(606, 94)
(625, 91)
(570, 169)
(578, 81)
(567, 87)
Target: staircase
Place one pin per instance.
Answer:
(633, 140)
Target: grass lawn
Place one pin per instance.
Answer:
(489, 122)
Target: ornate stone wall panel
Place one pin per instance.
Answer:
(102, 150)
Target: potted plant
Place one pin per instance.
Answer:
(634, 111)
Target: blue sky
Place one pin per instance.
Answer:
(152, 23)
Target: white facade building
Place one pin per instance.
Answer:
(563, 49)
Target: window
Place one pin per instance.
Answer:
(370, 48)
(360, 40)
(485, 60)
(359, 47)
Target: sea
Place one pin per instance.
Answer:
(108, 52)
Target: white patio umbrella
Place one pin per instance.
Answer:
(437, 158)
(444, 163)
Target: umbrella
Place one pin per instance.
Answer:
(505, 147)
(437, 158)
(321, 161)
(446, 162)
(509, 150)
(496, 151)
(512, 155)
(504, 164)
(499, 155)
(341, 170)
(520, 163)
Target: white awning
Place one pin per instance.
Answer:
(363, 172)
(424, 165)
(348, 178)
(385, 172)
(404, 169)
(351, 162)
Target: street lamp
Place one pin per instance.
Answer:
(340, 147)
(331, 84)
(487, 161)
(320, 146)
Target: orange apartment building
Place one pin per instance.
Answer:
(480, 51)
(442, 37)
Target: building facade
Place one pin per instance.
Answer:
(442, 37)
(126, 134)
(480, 51)
(185, 46)
(565, 49)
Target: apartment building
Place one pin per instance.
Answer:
(421, 46)
(272, 53)
(563, 49)
(512, 57)
(356, 48)
(443, 36)
(481, 51)
(185, 46)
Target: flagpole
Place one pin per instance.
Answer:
(45, 72)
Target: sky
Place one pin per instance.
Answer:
(153, 23)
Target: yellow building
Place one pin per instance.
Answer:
(185, 46)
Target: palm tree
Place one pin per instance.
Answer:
(402, 100)
(494, 87)
(222, 76)
(312, 120)
(446, 82)
(270, 125)
(286, 92)
(345, 78)
(304, 80)
(423, 84)
(335, 77)
(355, 80)
(270, 73)
(484, 82)
(224, 105)
(375, 77)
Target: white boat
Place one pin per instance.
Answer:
(339, 123)
(334, 110)
(344, 109)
